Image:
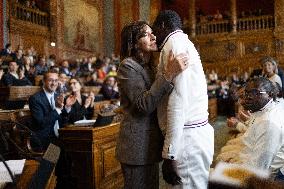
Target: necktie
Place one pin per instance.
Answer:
(52, 103)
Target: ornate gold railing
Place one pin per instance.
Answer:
(255, 23)
(34, 16)
(213, 27)
(243, 24)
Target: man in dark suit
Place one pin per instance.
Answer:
(6, 51)
(15, 76)
(46, 108)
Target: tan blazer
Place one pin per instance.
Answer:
(140, 140)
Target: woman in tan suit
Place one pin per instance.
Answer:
(140, 140)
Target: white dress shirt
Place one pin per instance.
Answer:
(50, 96)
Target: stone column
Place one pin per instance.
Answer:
(192, 18)
(4, 22)
(56, 27)
(234, 16)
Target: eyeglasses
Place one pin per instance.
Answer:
(52, 80)
(254, 92)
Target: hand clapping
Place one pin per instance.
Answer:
(70, 101)
(59, 103)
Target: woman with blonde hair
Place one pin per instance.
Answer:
(270, 70)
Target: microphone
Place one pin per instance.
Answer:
(32, 133)
(20, 150)
(8, 168)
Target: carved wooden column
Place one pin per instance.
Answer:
(234, 16)
(279, 15)
(192, 18)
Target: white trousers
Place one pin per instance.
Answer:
(195, 157)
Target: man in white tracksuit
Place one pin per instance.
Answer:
(183, 117)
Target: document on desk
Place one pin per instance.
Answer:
(85, 122)
(16, 167)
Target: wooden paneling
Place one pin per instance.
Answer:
(226, 53)
(28, 34)
(92, 154)
(125, 11)
(29, 170)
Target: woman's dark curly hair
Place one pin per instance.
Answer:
(129, 37)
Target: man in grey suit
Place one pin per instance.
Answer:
(140, 140)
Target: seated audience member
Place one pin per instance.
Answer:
(65, 69)
(41, 66)
(222, 94)
(94, 80)
(7, 50)
(79, 106)
(263, 145)
(83, 65)
(62, 83)
(217, 16)
(113, 71)
(109, 89)
(15, 76)
(90, 63)
(240, 124)
(212, 77)
(51, 60)
(115, 59)
(270, 70)
(29, 69)
(244, 78)
(46, 107)
(100, 69)
(31, 55)
(235, 79)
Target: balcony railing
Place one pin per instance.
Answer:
(213, 27)
(34, 16)
(243, 24)
(255, 23)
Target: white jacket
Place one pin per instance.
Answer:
(188, 102)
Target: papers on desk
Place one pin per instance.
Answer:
(85, 122)
(16, 167)
(6, 111)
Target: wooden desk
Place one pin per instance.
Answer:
(28, 172)
(25, 178)
(92, 154)
(15, 97)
